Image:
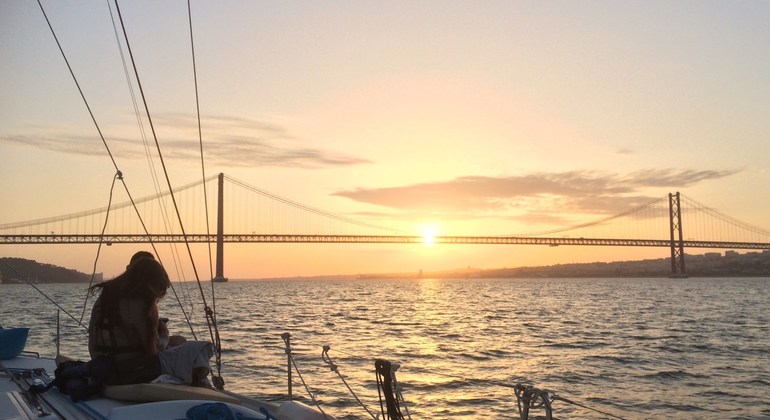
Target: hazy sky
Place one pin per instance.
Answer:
(483, 117)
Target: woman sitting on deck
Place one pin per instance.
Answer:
(125, 327)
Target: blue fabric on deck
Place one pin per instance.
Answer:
(12, 342)
(216, 411)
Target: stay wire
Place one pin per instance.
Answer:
(217, 343)
(153, 171)
(77, 84)
(156, 184)
(43, 293)
(209, 317)
(101, 136)
(200, 142)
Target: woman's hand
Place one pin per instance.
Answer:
(162, 334)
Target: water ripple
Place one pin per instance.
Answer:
(637, 348)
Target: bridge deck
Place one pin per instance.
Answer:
(396, 239)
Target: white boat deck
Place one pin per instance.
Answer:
(16, 403)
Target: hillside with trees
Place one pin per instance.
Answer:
(20, 270)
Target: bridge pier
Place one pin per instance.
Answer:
(677, 240)
(220, 277)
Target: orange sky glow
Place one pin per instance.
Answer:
(434, 118)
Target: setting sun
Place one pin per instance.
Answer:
(428, 234)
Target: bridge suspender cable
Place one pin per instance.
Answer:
(597, 222)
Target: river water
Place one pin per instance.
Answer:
(632, 348)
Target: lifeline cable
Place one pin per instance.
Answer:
(506, 385)
(328, 360)
(296, 368)
(556, 397)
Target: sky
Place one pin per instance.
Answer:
(472, 117)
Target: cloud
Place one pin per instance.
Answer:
(543, 194)
(228, 141)
(61, 143)
(673, 177)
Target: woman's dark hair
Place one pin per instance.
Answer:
(139, 255)
(143, 278)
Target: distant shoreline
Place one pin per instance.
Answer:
(710, 264)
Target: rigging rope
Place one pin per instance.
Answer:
(217, 344)
(519, 385)
(77, 84)
(389, 391)
(42, 293)
(527, 396)
(328, 360)
(200, 143)
(153, 173)
(210, 318)
(117, 176)
(568, 401)
(104, 142)
(209, 313)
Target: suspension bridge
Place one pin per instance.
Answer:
(254, 215)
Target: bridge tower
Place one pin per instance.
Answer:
(677, 243)
(219, 277)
